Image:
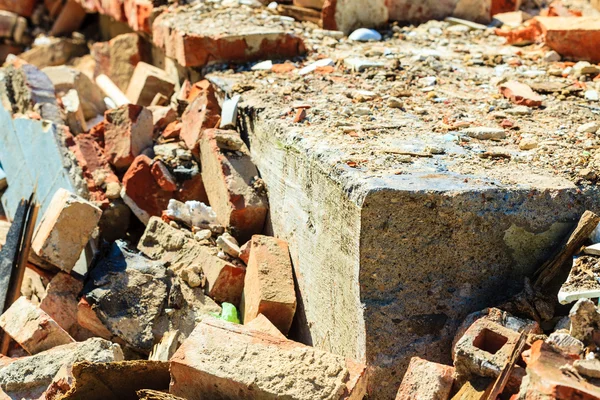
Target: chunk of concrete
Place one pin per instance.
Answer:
(585, 320)
(224, 280)
(32, 328)
(581, 282)
(146, 81)
(228, 179)
(28, 377)
(269, 283)
(270, 368)
(127, 132)
(151, 300)
(426, 380)
(65, 78)
(64, 230)
(54, 51)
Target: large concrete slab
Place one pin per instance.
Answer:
(398, 224)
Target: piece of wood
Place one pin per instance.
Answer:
(475, 389)
(504, 376)
(551, 268)
(300, 13)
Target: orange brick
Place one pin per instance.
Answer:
(127, 132)
(426, 380)
(203, 112)
(269, 283)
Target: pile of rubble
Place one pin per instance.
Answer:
(151, 273)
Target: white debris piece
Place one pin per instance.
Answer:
(192, 213)
(229, 112)
(312, 67)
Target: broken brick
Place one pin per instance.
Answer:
(192, 190)
(203, 112)
(162, 116)
(22, 7)
(426, 380)
(572, 37)
(146, 82)
(88, 319)
(127, 132)
(347, 15)
(269, 283)
(69, 19)
(60, 302)
(32, 328)
(228, 181)
(262, 323)
(224, 280)
(163, 177)
(207, 43)
(520, 93)
(141, 192)
(64, 230)
(202, 367)
(172, 131)
(138, 14)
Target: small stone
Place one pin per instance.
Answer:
(434, 150)
(590, 127)
(363, 95)
(585, 68)
(519, 110)
(204, 234)
(228, 244)
(362, 111)
(528, 144)
(589, 368)
(591, 95)
(394, 102)
(317, 64)
(588, 174)
(365, 35)
(113, 190)
(552, 56)
(484, 133)
(360, 64)
(263, 66)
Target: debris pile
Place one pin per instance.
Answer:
(151, 270)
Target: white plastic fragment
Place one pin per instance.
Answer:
(365, 35)
(229, 112)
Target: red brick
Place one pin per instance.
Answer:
(138, 13)
(520, 93)
(228, 182)
(426, 380)
(146, 81)
(572, 37)
(163, 177)
(546, 379)
(69, 19)
(262, 323)
(141, 192)
(502, 6)
(61, 301)
(162, 116)
(192, 189)
(203, 112)
(87, 318)
(269, 283)
(127, 132)
(32, 328)
(202, 45)
(202, 368)
(64, 230)
(22, 7)
(172, 130)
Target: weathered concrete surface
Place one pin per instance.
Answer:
(388, 265)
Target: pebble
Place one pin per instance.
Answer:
(263, 66)
(552, 56)
(585, 68)
(360, 64)
(591, 95)
(203, 234)
(365, 35)
(519, 110)
(394, 102)
(590, 127)
(528, 144)
(113, 190)
(228, 244)
(362, 111)
(313, 66)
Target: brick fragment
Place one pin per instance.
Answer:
(162, 116)
(269, 283)
(262, 323)
(22, 7)
(520, 93)
(163, 177)
(228, 179)
(127, 132)
(141, 192)
(203, 112)
(138, 14)
(146, 82)
(172, 131)
(572, 37)
(69, 19)
(65, 229)
(200, 370)
(197, 42)
(426, 380)
(88, 319)
(192, 189)
(118, 57)
(224, 281)
(32, 328)
(348, 15)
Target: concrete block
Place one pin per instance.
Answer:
(32, 328)
(214, 37)
(65, 78)
(271, 367)
(224, 281)
(202, 113)
(146, 82)
(484, 349)
(348, 15)
(269, 283)
(228, 179)
(127, 132)
(65, 229)
(118, 58)
(28, 377)
(141, 192)
(426, 380)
